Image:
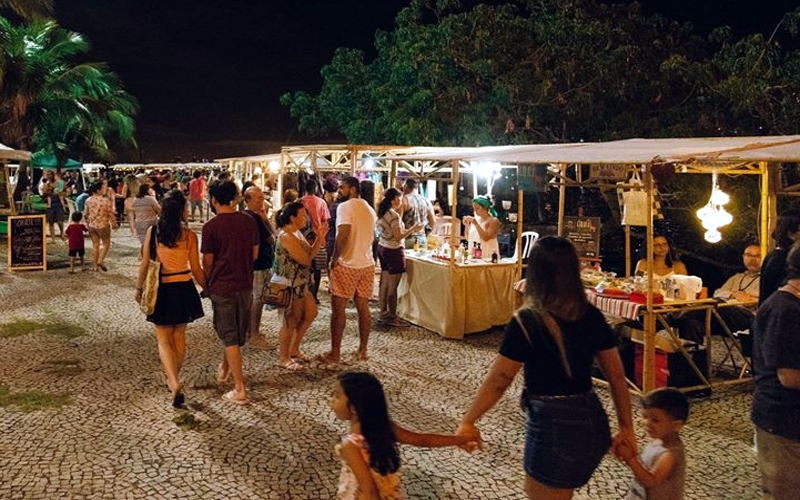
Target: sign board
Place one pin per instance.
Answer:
(584, 233)
(27, 243)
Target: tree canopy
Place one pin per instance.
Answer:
(551, 71)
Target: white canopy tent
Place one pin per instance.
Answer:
(732, 155)
(7, 155)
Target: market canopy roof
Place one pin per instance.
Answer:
(7, 153)
(631, 151)
(40, 159)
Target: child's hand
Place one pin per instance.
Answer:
(624, 452)
(474, 435)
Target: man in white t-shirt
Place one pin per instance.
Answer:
(352, 268)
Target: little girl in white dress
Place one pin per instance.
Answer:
(369, 453)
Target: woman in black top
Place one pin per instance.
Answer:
(773, 269)
(556, 336)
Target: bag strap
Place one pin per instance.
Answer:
(153, 243)
(555, 332)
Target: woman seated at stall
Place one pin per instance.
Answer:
(483, 227)
(664, 264)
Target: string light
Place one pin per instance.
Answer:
(713, 215)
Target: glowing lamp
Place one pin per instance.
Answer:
(713, 215)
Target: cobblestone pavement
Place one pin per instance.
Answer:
(117, 438)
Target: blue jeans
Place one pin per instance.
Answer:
(567, 437)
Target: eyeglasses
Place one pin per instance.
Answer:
(757, 255)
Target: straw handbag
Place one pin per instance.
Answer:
(153, 278)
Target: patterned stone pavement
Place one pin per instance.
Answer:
(117, 439)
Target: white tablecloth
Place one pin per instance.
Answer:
(456, 300)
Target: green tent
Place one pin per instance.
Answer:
(43, 160)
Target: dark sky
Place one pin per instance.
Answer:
(208, 73)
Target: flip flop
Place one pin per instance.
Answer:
(292, 366)
(230, 397)
(305, 358)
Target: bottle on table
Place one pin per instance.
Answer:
(478, 252)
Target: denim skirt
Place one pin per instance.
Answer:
(566, 440)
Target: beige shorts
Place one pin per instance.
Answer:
(348, 282)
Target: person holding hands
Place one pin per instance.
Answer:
(556, 336)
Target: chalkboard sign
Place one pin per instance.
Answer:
(27, 244)
(584, 233)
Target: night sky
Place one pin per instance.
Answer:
(208, 73)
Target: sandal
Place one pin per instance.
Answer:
(303, 357)
(292, 366)
(230, 397)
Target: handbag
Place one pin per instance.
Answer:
(152, 279)
(277, 292)
(633, 202)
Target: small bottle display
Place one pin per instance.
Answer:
(478, 252)
(494, 257)
(416, 245)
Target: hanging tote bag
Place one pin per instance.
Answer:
(151, 281)
(277, 292)
(634, 203)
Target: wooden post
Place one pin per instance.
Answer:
(649, 355)
(562, 195)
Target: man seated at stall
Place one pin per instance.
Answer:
(741, 287)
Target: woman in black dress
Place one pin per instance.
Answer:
(178, 302)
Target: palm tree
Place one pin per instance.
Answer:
(28, 9)
(49, 102)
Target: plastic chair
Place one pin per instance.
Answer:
(526, 241)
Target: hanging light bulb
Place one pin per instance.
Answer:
(713, 215)
(713, 236)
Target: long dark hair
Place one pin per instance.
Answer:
(170, 219)
(365, 393)
(386, 203)
(788, 222)
(285, 214)
(553, 281)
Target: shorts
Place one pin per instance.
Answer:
(55, 214)
(104, 233)
(77, 252)
(196, 204)
(393, 260)
(348, 282)
(566, 439)
(260, 277)
(779, 461)
(232, 316)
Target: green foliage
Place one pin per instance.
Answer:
(50, 101)
(533, 71)
(29, 401)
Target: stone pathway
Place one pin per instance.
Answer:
(117, 438)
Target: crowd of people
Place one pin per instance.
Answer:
(554, 338)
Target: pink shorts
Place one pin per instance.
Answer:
(351, 282)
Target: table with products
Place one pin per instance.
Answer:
(624, 308)
(456, 299)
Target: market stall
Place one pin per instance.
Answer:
(456, 299)
(726, 155)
